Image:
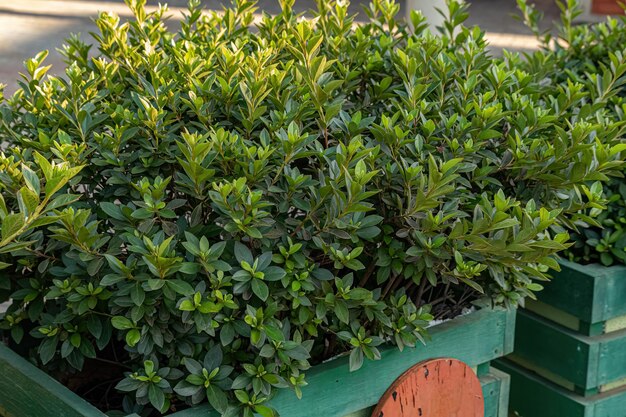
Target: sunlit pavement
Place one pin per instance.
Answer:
(29, 26)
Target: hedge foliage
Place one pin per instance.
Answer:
(590, 55)
(259, 195)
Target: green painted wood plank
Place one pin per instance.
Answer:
(533, 396)
(612, 358)
(556, 349)
(482, 369)
(566, 357)
(496, 386)
(25, 391)
(591, 293)
(333, 391)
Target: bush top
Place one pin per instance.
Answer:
(254, 200)
(591, 55)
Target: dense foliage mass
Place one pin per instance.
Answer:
(256, 196)
(591, 55)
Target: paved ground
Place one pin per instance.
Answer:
(29, 26)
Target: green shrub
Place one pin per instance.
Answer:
(28, 200)
(591, 55)
(257, 200)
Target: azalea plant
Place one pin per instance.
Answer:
(592, 57)
(261, 193)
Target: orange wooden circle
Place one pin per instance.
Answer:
(435, 388)
(606, 7)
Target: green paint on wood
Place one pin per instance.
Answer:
(587, 362)
(475, 339)
(591, 293)
(554, 314)
(496, 386)
(483, 369)
(612, 359)
(560, 381)
(334, 391)
(533, 396)
(25, 391)
(556, 349)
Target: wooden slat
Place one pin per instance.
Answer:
(333, 391)
(533, 396)
(496, 386)
(588, 362)
(591, 293)
(25, 391)
(557, 350)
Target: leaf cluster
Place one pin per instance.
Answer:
(258, 196)
(594, 56)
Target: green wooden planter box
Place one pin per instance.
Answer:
(589, 299)
(333, 391)
(583, 364)
(570, 351)
(533, 396)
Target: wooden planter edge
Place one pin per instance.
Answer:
(585, 296)
(534, 396)
(584, 364)
(476, 339)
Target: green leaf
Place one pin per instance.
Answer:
(137, 295)
(133, 337)
(122, 323)
(112, 210)
(17, 333)
(128, 385)
(368, 232)
(265, 411)
(227, 334)
(243, 254)
(156, 396)
(213, 358)
(28, 201)
(274, 273)
(260, 289)
(32, 180)
(341, 310)
(11, 224)
(62, 200)
(356, 359)
(298, 352)
(47, 349)
(274, 333)
(186, 389)
(217, 398)
(180, 287)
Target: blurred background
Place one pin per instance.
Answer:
(29, 26)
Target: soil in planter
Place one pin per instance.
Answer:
(446, 303)
(96, 383)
